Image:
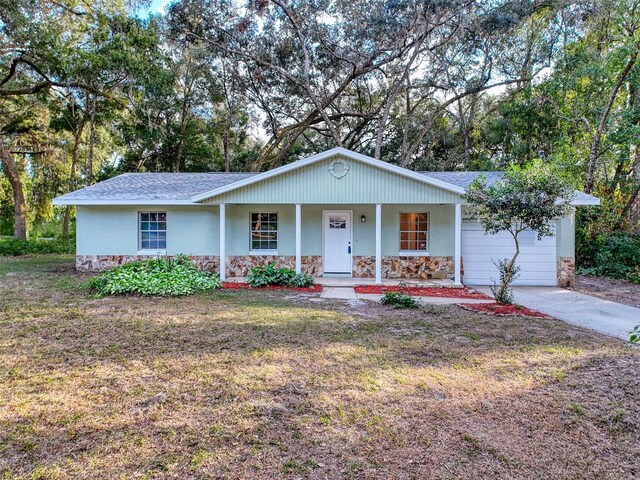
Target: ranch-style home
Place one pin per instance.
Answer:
(337, 213)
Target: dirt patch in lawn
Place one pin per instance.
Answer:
(502, 309)
(447, 292)
(315, 288)
(278, 385)
(612, 289)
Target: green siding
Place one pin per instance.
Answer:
(314, 184)
(238, 227)
(113, 230)
(441, 228)
(565, 236)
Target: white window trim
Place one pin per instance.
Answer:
(259, 251)
(414, 253)
(263, 252)
(151, 251)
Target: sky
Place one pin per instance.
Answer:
(156, 6)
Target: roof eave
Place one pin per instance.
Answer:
(593, 201)
(63, 201)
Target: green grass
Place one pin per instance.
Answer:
(268, 384)
(35, 263)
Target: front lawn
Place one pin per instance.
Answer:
(279, 384)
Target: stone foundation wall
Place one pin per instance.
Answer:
(97, 263)
(240, 265)
(404, 267)
(566, 272)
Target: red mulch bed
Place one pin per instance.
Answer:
(423, 291)
(503, 310)
(242, 285)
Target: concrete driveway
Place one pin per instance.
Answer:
(601, 315)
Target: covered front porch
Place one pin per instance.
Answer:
(343, 243)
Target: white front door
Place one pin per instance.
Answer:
(337, 242)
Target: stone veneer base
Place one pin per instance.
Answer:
(240, 265)
(566, 272)
(430, 267)
(97, 263)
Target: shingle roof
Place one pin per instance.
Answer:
(154, 186)
(464, 179)
(181, 187)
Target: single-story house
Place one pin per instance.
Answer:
(337, 213)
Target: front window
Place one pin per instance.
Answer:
(413, 232)
(264, 231)
(153, 230)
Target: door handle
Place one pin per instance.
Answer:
(349, 248)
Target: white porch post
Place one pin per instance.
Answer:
(378, 243)
(298, 237)
(457, 244)
(223, 242)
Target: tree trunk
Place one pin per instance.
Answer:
(92, 139)
(20, 207)
(72, 175)
(634, 156)
(594, 153)
(509, 276)
(225, 149)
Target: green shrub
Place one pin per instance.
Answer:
(399, 300)
(269, 274)
(634, 335)
(501, 290)
(300, 280)
(615, 256)
(14, 247)
(634, 276)
(158, 277)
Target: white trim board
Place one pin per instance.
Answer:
(62, 201)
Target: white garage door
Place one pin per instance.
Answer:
(537, 258)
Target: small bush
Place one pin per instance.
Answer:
(634, 335)
(504, 294)
(158, 277)
(14, 247)
(300, 280)
(399, 300)
(269, 274)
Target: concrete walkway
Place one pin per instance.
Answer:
(576, 308)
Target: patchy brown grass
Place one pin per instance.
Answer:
(615, 290)
(281, 385)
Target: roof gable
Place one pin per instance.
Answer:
(334, 152)
(316, 182)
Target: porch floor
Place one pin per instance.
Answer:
(352, 282)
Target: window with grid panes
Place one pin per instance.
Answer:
(414, 232)
(264, 231)
(153, 230)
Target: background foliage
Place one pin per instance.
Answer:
(91, 89)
